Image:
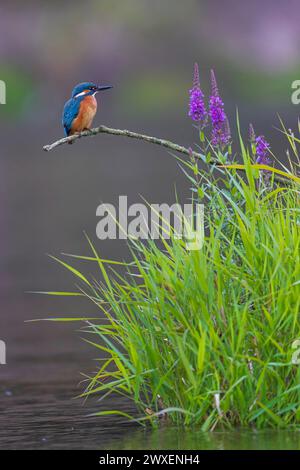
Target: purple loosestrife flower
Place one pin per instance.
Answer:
(197, 110)
(262, 151)
(262, 156)
(252, 140)
(227, 130)
(252, 136)
(220, 126)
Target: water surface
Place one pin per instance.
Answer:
(46, 416)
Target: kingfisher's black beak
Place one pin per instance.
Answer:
(105, 87)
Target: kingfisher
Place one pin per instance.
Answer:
(80, 110)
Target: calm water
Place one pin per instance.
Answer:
(37, 417)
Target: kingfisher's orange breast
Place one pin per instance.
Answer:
(87, 111)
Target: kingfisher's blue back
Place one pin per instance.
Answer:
(71, 110)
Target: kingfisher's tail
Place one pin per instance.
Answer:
(67, 133)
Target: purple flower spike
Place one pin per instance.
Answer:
(227, 130)
(220, 125)
(262, 151)
(214, 86)
(252, 136)
(196, 79)
(197, 110)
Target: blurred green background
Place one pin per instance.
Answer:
(146, 49)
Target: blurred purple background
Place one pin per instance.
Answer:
(146, 50)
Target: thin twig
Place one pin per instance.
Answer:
(124, 133)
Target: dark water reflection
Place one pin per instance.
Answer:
(47, 417)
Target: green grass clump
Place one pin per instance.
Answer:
(206, 337)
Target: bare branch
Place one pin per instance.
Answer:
(125, 133)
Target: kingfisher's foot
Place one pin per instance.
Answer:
(87, 129)
(74, 133)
